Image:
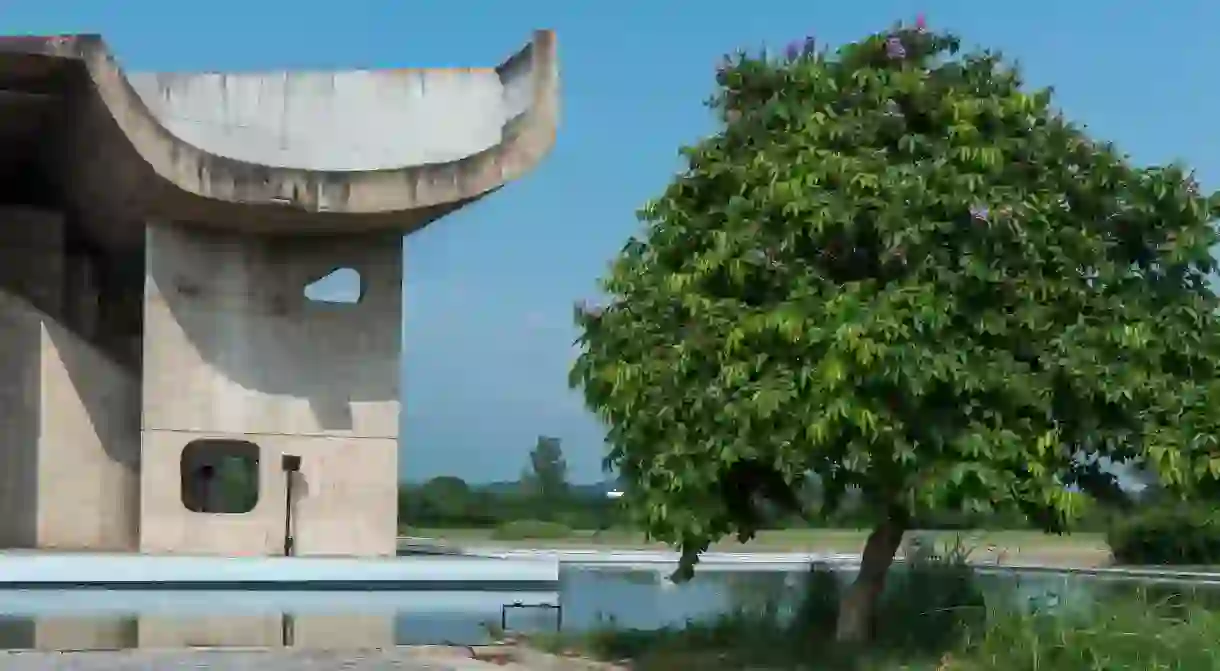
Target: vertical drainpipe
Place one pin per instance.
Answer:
(290, 464)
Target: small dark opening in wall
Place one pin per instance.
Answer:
(220, 476)
(339, 286)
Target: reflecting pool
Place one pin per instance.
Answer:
(98, 619)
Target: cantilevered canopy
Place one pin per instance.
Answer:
(271, 152)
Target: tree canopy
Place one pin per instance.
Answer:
(896, 267)
(548, 471)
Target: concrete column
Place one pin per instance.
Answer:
(233, 350)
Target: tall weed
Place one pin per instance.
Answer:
(1117, 633)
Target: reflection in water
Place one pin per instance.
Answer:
(93, 619)
(100, 619)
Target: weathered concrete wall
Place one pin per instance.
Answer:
(244, 631)
(234, 350)
(89, 449)
(69, 438)
(270, 630)
(273, 630)
(353, 120)
(20, 411)
(84, 633)
(333, 632)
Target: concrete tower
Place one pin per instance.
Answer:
(165, 380)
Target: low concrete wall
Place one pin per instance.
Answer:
(69, 438)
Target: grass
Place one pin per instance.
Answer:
(1028, 547)
(934, 615)
(1135, 632)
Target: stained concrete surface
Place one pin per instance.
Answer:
(355, 120)
(242, 354)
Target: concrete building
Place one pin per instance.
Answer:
(166, 385)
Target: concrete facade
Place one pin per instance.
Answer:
(234, 350)
(157, 234)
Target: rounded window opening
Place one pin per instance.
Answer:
(220, 476)
(342, 286)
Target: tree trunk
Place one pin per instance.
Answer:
(858, 606)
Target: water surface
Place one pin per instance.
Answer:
(97, 619)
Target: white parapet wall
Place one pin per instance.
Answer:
(57, 571)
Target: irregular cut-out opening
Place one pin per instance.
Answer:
(341, 285)
(220, 476)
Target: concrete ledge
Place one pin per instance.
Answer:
(424, 658)
(45, 570)
(653, 560)
(657, 560)
(156, 604)
(407, 658)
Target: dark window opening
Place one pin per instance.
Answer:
(220, 476)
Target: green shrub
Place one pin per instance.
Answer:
(1168, 535)
(519, 530)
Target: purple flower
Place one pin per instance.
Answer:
(979, 213)
(793, 51)
(811, 46)
(894, 48)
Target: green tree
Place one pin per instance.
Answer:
(547, 476)
(895, 268)
(447, 498)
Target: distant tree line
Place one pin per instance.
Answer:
(542, 493)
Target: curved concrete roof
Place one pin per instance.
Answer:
(366, 149)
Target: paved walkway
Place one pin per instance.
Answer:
(403, 659)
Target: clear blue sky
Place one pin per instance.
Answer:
(489, 290)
